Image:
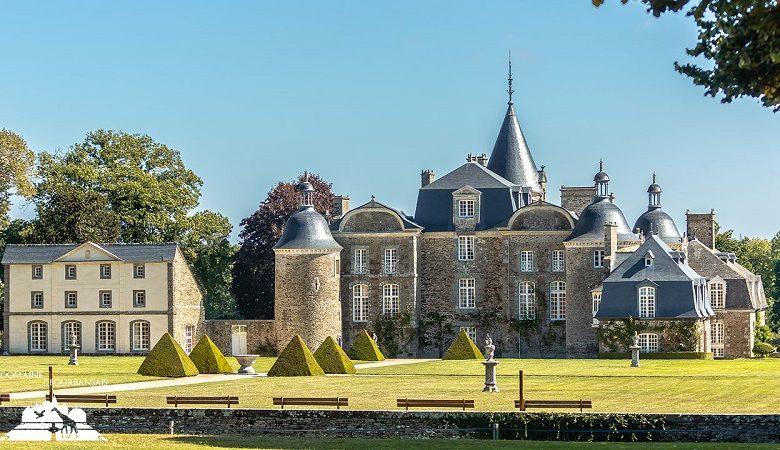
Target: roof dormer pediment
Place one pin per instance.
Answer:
(88, 251)
(466, 191)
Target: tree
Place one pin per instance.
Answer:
(253, 269)
(741, 41)
(16, 167)
(434, 330)
(394, 332)
(68, 214)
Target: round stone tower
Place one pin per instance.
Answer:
(307, 277)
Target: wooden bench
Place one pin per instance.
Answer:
(433, 403)
(105, 399)
(338, 402)
(177, 400)
(5, 398)
(538, 404)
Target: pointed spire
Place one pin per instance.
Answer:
(510, 91)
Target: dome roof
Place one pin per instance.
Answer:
(307, 229)
(656, 222)
(654, 189)
(601, 177)
(590, 225)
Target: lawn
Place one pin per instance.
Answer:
(130, 441)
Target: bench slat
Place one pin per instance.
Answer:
(104, 399)
(444, 403)
(338, 402)
(581, 404)
(228, 400)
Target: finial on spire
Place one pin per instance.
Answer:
(601, 165)
(305, 175)
(653, 177)
(373, 199)
(510, 91)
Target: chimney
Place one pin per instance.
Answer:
(576, 198)
(610, 245)
(427, 177)
(701, 227)
(340, 205)
(482, 159)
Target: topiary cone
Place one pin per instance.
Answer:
(463, 348)
(167, 359)
(208, 358)
(332, 358)
(296, 360)
(365, 349)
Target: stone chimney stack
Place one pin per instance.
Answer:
(701, 227)
(576, 198)
(427, 177)
(610, 246)
(482, 159)
(340, 205)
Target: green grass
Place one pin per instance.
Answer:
(134, 441)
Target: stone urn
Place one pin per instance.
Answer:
(246, 362)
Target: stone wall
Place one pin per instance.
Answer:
(739, 333)
(701, 227)
(260, 334)
(186, 307)
(581, 278)
(576, 198)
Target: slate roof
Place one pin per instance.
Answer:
(590, 225)
(511, 158)
(43, 254)
(307, 229)
(407, 220)
(656, 221)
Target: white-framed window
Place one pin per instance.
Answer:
(189, 336)
(105, 271)
(648, 342)
(471, 332)
(360, 303)
(558, 259)
(467, 291)
(70, 272)
(648, 261)
(390, 265)
(105, 299)
(37, 272)
(526, 301)
(596, 295)
(139, 271)
(360, 260)
(646, 302)
(466, 248)
(139, 299)
(390, 301)
(558, 300)
(526, 261)
(140, 331)
(717, 352)
(38, 336)
(466, 208)
(36, 300)
(717, 295)
(598, 259)
(71, 299)
(106, 336)
(717, 333)
(70, 329)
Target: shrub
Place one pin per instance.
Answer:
(208, 358)
(266, 349)
(657, 355)
(463, 348)
(167, 359)
(762, 349)
(332, 358)
(364, 349)
(296, 360)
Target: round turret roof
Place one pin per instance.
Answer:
(654, 189)
(601, 177)
(307, 229)
(655, 221)
(590, 225)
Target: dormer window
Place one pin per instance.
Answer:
(466, 208)
(648, 262)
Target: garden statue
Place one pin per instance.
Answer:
(74, 351)
(635, 351)
(490, 366)
(490, 349)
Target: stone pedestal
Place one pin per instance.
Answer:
(490, 375)
(634, 355)
(246, 362)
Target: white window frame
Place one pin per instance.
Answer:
(69, 328)
(38, 336)
(189, 338)
(360, 302)
(37, 272)
(648, 262)
(105, 299)
(598, 259)
(471, 332)
(526, 300)
(360, 260)
(139, 295)
(139, 271)
(390, 265)
(391, 304)
(34, 297)
(105, 271)
(466, 208)
(558, 261)
(647, 302)
(141, 341)
(596, 298)
(75, 296)
(467, 293)
(558, 300)
(526, 261)
(71, 272)
(106, 336)
(717, 295)
(465, 248)
(648, 342)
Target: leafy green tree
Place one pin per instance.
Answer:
(434, 330)
(68, 214)
(16, 167)
(739, 40)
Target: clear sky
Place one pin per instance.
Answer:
(368, 94)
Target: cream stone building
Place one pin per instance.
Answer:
(115, 298)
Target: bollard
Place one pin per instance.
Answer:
(495, 431)
(171, 427)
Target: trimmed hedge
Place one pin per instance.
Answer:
(762, 349)
(332, 358)
(463, 348)
(208, 359)
(167, 359)
(657, 355)
(365, 349)
(296, 360)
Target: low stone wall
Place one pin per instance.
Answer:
(258, 333)
(413, 424)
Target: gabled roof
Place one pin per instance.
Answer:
(665, 265)
(472, 174)
(47, 253)
(511, 158)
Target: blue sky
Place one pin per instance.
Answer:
(368, 94)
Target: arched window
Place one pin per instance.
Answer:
(526, 301)
(70, 328)
(105, 336)
(139, 336)
(648, 342)
(38, 336)
(558, 300)
(717, 295)
(390, 301)
(360, 303)
(646, 302)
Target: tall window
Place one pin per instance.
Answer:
(648, 342)
(391, 260)
(105, 299)
(360, 303)
(360, 260)
(717, 295)
(558, 261)
(526, 261)
(596, 304)
(105, 271)
(106, 336)
(71, 299)
(70, 272)
(38, 336)
(189, 336)
(36, 300)
(646, 302)
(466, 248)
(37, 272)
(558, 300)
(139, 271)
(140, 335)
(390, 302)
(467, 293)
(598, 259)
(471, 332)
(139, 299)
(69, 330)
(526, 301)
(465, 208)
(717, 333)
